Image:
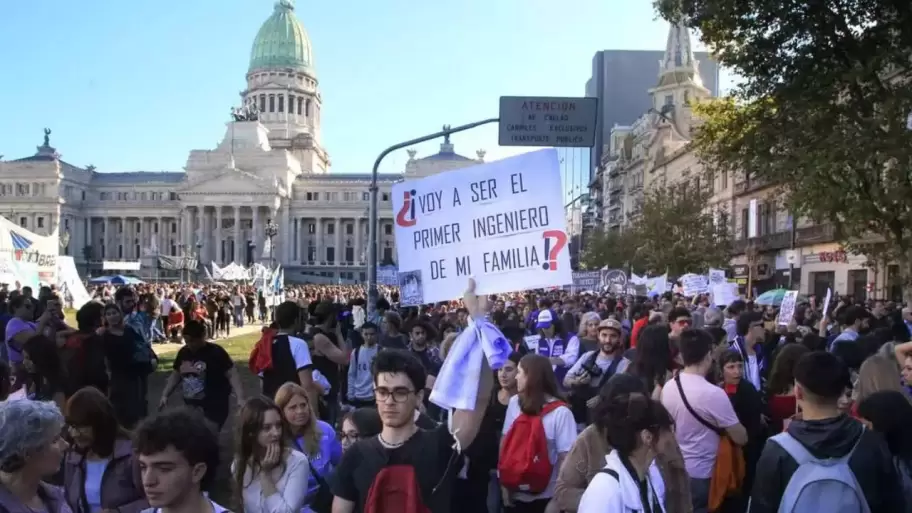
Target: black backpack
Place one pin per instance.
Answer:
(283, 367)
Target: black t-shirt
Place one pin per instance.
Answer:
(431, 452)
(204, 377)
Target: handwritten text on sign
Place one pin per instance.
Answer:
(500, 222)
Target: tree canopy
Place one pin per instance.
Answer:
(674, 232)
(821, 109)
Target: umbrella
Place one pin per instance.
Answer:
(773, 297)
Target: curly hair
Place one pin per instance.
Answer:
(26, 427)
(188, 431)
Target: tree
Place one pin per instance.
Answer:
(820, 110)
(614, 249)
(676, 231)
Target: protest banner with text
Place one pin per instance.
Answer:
(501, 222)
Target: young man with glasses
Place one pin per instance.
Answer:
(405, 467)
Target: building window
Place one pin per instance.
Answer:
(307, 108)
(669, 99)
(350, 255)
(387, 254)
(40, 222)
(23, 222)
(311, 254)
(311, 228)
(330, 254)
(858, 284)
(386, 196)
(120, 252)
(745, 220)
(331, 229)
(388, 229)
(281, 103)
(349, 229)
(686, 97)
(291, 104)
(271, 103)
(365, 196)
(724, 180)
(300, 105)
(173, 227)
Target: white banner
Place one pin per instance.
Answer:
(120, 265)
(502, 223)
(33, 255)
(69, 285)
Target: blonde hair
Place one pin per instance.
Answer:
(582, 331)
(877, 373)
(310, 433)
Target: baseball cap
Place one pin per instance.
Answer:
(545, 319)
(610, 324)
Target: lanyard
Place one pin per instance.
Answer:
(644, 486)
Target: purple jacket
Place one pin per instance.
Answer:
(52, 496)
(121, 484)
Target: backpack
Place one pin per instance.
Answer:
(524, 464)
(820, 484)
(82, 359)
(395, 490)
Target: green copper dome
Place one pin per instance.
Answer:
(281, 41)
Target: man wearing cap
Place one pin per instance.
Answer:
(594, 368)
(555, 343)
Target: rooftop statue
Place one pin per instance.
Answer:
(47, 136)
(247, 112)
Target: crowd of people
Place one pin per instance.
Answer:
(600, 403)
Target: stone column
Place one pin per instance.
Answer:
(255, 234)
(339, 251)
(358, 243)
(318, 240)
(218, 235)
(88, 237)
(286, 239)
(106, 245)
(237, 235)
(123, 238)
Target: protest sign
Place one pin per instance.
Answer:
(615, 280)
(694, 284)
(587, 280)
(787, 308)
(716, 276)
(724, 293)
(501, 222)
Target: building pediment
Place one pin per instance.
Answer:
(231, 181)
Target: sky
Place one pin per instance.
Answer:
(134, 86)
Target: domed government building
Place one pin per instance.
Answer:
(272, 168)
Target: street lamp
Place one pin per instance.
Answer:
(752, 257)
(272, 230)
(65, 242)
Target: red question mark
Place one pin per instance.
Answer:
(552, 252)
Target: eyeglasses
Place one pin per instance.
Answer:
(683, 322)
(349, 437)
(399, 395)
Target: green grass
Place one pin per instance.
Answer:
(239, 349)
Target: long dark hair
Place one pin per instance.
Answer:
(247, 453)
(653, 356)
(541, 383)
(48, 371)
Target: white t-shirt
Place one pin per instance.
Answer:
(299, 352)
(560, 432)
(166, 305)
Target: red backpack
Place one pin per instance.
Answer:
(524, 465)
(395, 490)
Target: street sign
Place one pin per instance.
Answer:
(791, 256)
(548, 121)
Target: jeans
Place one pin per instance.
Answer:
(699, 494)
(495, 499)
(238, 316)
